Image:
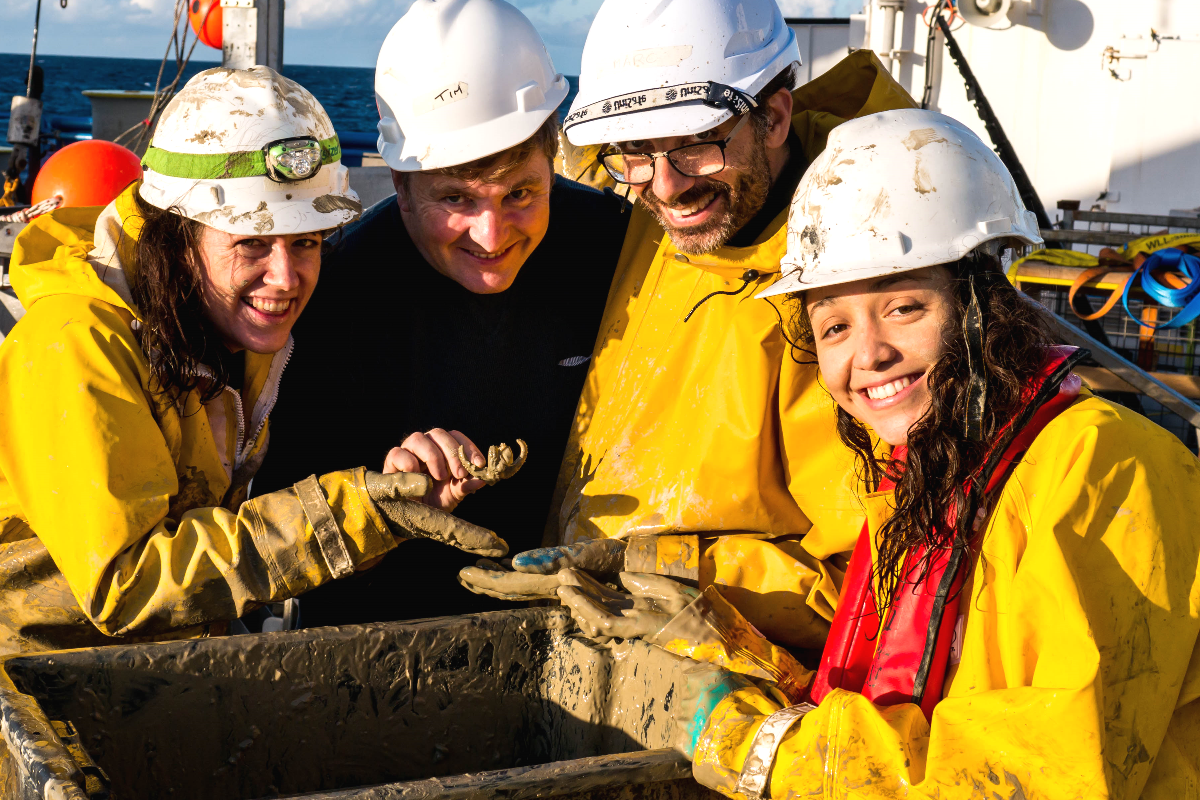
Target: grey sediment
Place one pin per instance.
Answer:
(505, 704)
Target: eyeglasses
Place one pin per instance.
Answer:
(693, 160)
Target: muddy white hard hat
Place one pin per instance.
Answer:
(897, 191)
(458, 80)
(249, 152)
(658, 68)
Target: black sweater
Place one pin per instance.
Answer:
(388, 346)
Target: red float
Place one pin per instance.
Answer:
(87, 173)
(205, 16)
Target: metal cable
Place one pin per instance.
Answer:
(163, 95)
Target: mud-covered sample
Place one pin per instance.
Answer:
(501, 463)
(370, 711)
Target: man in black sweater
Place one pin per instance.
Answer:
(461, 311)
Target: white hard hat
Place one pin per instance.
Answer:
(248, 151)
(897, 191)
(658, 68)
(458, 80)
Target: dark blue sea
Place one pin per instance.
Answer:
(347, 93)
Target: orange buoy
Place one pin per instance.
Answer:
(205, 16)
(88, 173)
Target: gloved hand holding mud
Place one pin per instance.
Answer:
(458, 467)
(536, 574)
(397, 494)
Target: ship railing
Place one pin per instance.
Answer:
(1155, 372)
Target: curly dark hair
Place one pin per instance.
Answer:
(167, 291)
(932, 484)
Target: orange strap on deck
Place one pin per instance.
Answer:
(1081, 281)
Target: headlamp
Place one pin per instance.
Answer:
(293, 159)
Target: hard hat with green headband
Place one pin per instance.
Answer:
(249, 152)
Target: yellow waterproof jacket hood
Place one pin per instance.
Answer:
(78, 251)
(121, 513)
(1075, 670)
(696, 427)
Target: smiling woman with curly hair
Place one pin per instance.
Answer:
(1020, 615)
(135, 392)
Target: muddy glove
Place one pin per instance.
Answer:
(408, 518)
(498, 580)
(533, 575)
(650, 602)
(701, 688)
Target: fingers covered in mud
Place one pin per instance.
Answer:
(409, 519)
(495, 581)
(659, 592)
(395, 485)
(436, 453)
(604, 613)
(604, 556)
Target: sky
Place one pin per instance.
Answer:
(322, 32)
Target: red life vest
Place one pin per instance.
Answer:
(883, 663)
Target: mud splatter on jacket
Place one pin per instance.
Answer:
(1076, 673)
(121, 514)
(707, 427)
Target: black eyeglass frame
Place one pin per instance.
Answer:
(721, 144)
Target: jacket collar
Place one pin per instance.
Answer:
(732, 262)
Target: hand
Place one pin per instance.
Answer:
(533, 575)
(601, 556)
(407, 517)
(435, 453)
(499, 581)
(603, 614)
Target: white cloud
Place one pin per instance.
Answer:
(313, 14)
(809, 8)
(343, 32)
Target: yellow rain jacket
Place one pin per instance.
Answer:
(709, 425)
(121, 515)
(1075, 672)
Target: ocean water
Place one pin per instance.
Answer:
(347, 93)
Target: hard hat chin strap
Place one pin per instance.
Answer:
(713, 95)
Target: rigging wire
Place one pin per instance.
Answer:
(139, 134)
(931, 50)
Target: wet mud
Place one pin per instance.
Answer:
(501, 463)
(504, 584)
(328, 203)
(486, 705)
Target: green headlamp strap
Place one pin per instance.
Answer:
(215, 166)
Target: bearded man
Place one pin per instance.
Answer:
(704, 446)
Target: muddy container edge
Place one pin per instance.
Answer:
(507, 704)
